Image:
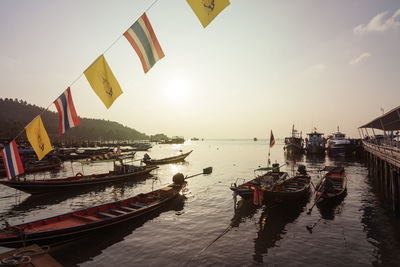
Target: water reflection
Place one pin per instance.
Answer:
(42, 201)
(272, 223)
(94, 243)
(329, 208)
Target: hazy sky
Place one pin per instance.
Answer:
(259, 65)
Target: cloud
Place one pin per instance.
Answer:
(379, 23)
(360, 58)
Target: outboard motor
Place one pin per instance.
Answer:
(275, 167)
(146, 157)
(178, 178)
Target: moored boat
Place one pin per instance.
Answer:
(332, 186)
(315, 143)
(121, 172)
(297, 187)
(294, 143)
(266, 181)
(338, 144)
(74, 224)
(149, 161)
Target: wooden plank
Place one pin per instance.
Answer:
(105, 214)
(39, 257)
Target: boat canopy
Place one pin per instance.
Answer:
(390, 121)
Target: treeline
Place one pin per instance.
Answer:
(16, 114)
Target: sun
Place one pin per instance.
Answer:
(177, 91)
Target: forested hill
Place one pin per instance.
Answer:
(16, 114)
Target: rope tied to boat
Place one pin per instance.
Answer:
(23, 256)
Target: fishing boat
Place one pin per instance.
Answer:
(149, 161)
(294, 143)
(332, 186)
(31, 166)
(297, 187)
(315, 143)
(110, 156)
(121, 172)
(77, 223)
(271, 177)
(338, 144)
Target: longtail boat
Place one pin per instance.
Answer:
(77, 223)
(121, 172)
(266, 181)
(277, 185)
(332, 186)
(149, 161)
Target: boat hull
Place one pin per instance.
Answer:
(79, 223)
(71, 183)
(174, 159)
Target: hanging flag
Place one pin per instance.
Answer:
(102, 81)
(12, 161)
(256, 196)
(37, 136)
(66, 112)
(143, 39)
(207, 10)
(271, 140)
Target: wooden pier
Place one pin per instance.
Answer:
(383, 154)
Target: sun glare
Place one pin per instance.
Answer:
(177, 91)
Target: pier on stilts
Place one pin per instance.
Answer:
(382, 146)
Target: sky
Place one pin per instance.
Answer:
(260, 65)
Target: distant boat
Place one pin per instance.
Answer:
(294, 143)
(255, 139)
(194, 139)
(315, 143)
(338, 144)
(174, 140)
(149, 161)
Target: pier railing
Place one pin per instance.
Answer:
(388, 150)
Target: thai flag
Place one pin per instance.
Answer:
(144, 41)
(12, 161)
(66, 112)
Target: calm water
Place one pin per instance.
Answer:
(356, 232)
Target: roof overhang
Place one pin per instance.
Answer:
(390, 121)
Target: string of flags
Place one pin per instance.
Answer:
(142, 38)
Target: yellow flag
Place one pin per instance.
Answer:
(103, 82)
(207, 10)
(37, 136)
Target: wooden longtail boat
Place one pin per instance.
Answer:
(332, 186)
(297, 187)
(74, 224)
(266, 181)
(149, 161)
(120, 173)
(277, 185)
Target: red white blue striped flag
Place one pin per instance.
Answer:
(143, 39)
(66, 112)
(12, 161)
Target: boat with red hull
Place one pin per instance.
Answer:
(149, 161)
(120, 173)
(77, 223)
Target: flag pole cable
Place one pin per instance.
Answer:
(80, 75)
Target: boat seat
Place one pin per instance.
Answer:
(105, 214)
(118, 211)
(126, 208)
(87, 218)
(137, 205)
